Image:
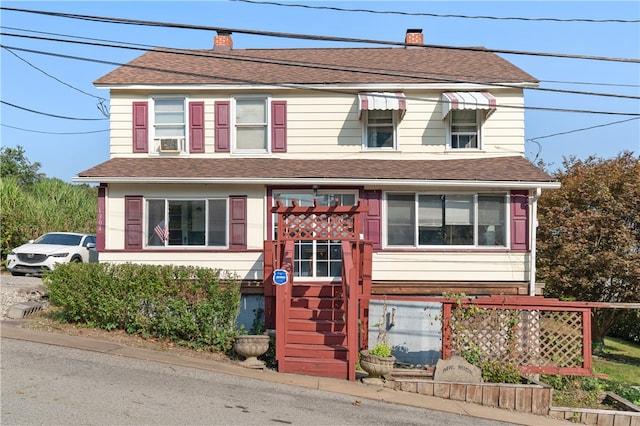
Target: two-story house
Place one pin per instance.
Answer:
(422, 147)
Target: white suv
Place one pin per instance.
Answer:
(43, 254)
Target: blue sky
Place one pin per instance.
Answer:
(66, 147)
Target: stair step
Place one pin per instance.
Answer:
(314, 367)
(299, 350)
(317, 303)
(316, 338)
(316, 314)
(316, 289)
(316, 325)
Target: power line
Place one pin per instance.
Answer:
(54, 133)
(582, 129)
(50, 115)
(436, 15)
(102, 107)
(367, 70)
(586, 83)
(535, 140)
(293, 86)
(307, 36)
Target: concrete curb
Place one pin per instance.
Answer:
(12, 329)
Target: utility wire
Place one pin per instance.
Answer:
(436, 15)
(307, 36)
(535, 140)
(54, 133)
(50, 115)
(294, 86)
(583, 129)
(102, 107)
(146, 47)
(587, 83)
(368, 70)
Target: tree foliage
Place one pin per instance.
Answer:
(14, 163)
(589, 235)
(32, 204)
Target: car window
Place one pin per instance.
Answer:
(89, 240)
(59, 239)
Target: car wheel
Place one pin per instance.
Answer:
(76, 259)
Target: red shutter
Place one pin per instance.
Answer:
(238, 223)
(223, 126)
(140, 127)
(519, 220)
(132, 222)
(279, 126)
(372, 219)
(196, 126)
(100, 234)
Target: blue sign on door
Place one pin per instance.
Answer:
(280, 276)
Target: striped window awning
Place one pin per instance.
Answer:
(468, 100)
(395, 101)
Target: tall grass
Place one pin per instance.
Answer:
(48, 205)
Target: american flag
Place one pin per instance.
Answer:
(161, 231)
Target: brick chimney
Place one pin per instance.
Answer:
(223, 41)
(414, 36)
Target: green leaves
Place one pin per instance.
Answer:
(191, 306)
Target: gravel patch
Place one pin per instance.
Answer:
(14, 290)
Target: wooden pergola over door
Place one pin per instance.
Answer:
(303, 223)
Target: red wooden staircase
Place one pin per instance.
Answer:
(316, 322)
(315, 337)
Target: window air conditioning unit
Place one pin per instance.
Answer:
(170, 145)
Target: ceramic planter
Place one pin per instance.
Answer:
(376, 366)
(251, 346)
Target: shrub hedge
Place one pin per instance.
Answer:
(196, 307)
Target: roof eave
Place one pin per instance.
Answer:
(329, 181)
(315, 86)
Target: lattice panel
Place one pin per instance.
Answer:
(337, 226)
(523, 337)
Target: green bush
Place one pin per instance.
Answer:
(499, 372)
(196, 307)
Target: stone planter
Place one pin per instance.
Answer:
(376, 366)
(251, 346)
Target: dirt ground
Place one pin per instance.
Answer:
(41, 322)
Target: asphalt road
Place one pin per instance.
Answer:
(45, 384)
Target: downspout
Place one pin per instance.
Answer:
(532, 238)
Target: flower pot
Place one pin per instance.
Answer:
(251, 346)
(376, 366)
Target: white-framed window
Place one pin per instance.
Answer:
(251, 123)
(380, 129)
(169, 124)
(182, 222)
(423, 220)
(464, 129)
(313, 259)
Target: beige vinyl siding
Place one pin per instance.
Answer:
(453, 266)
(247, 265)
(327, 125)
(256, 232)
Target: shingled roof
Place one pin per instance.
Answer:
(500, 169)
(316, 66)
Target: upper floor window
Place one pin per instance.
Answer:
(464, 129)
(251, 125)
(380, 129)
(169, 124)
(465, 113)
(446, 219)
(380, 113)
